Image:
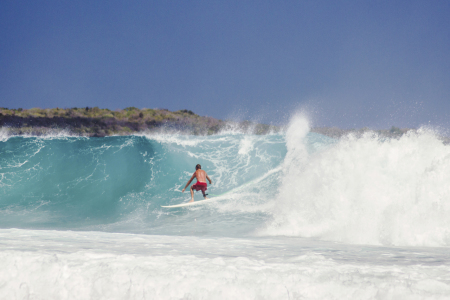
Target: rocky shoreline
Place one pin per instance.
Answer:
(96, 122)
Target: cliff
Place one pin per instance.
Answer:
(93, 121)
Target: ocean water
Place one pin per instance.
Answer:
(299, 216)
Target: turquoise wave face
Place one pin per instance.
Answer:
(119, 183)
(64, 182)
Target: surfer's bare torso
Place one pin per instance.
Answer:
(200, 175)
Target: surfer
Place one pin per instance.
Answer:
(201, 182)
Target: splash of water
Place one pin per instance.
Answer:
(365, 190)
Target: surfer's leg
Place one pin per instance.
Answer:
(204, 195)
(192, 194)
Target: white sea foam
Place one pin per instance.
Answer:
(96, 265)
(181, 140)
(4, 134)
(366, 190)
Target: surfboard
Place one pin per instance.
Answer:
(200, 202)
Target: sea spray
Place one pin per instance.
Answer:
(366, 190)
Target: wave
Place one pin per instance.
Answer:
(358, 189)
(119, 183)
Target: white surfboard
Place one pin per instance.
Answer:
(200, 202)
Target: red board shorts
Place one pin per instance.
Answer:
(200, 186)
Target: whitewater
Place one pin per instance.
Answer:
(299, 216)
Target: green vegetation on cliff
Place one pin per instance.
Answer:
(93, 121)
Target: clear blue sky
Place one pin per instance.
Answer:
(350, 63)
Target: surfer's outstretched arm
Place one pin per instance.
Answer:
(189, 182)
(207, 177)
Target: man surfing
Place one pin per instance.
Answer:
(201, 182)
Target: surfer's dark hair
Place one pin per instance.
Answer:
(198, 167)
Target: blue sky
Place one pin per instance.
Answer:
(349, 63)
